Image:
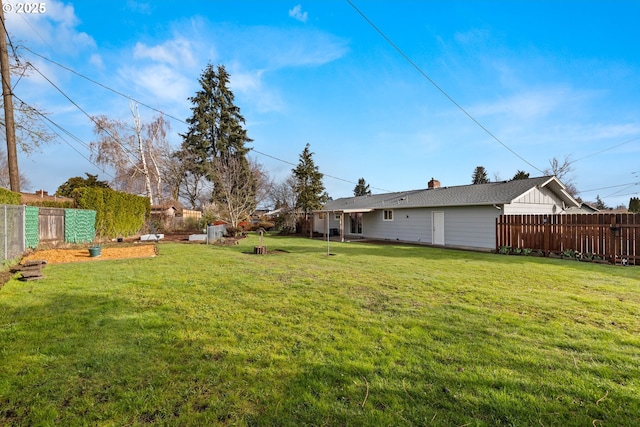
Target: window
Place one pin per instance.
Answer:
(337, 216)
(387, 215)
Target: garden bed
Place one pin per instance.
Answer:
(123, 251)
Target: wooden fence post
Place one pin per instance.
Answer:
(547, 234)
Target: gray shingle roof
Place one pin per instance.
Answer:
(463, 195)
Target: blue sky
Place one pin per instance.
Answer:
(543, 78)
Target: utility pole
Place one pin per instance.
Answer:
(12, 153)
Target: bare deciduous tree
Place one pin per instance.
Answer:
(25, 184)
(563, 171)
(236, 181)
(283, 195)
(134, 153)
(30, 125)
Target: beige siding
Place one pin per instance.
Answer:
(535, 201)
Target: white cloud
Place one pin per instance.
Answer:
(250, 84)
(472, 37)
(535, 103)
(57, 28)
(275, 49)
(158, 81)
(96, 60)
(298, 14)
(173, 52)
(140, 7)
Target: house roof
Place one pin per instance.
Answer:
(493, 193)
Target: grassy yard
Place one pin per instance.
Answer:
(373, 335)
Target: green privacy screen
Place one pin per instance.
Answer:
(79, 225)
(31, 231)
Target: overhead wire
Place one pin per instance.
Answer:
(607, 149)
(98, 125)
(164, 113)
(377, 29)
(48, 122)
(102, 85)
(440, 89)
(609, 187)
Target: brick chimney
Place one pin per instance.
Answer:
(434, 183)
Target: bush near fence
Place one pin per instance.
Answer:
(118, 214)
(8, 197)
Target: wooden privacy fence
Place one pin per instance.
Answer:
(613, 237)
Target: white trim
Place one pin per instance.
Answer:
(357, 210)
(384, 215)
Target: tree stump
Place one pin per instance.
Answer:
(260, 250)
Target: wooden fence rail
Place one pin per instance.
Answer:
(613, 237)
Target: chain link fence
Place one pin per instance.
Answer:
(24, 227)
(12, 241)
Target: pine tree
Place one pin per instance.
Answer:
(362, 189)
(520, 175)
(479, 175)
(215, 138)
(600, 205)
(309, 187)
(634, 205)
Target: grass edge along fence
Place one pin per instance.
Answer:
(604, 236)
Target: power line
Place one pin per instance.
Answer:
(609, 187)
(103, 85)
(430, 80)
(46, 119)
(98, 125)
(154, 109)
(607, 149)
(617, 193)
(327, 175)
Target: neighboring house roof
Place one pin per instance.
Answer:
(583, 208)
(493, 193)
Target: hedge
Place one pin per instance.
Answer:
(9, 197)
(118, 214)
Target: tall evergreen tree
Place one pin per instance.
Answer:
(600, 205)
(634, 205)
(309, 187)
(520, 175)
(362, 189)
(215, 139)
(479, 175)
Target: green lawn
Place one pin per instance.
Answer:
(373, 335)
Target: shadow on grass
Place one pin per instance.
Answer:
(136, 358)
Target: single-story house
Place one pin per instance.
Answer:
(459, 216)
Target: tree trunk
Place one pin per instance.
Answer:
(143, 158)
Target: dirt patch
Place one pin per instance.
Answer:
(58, 256)
(5, 276)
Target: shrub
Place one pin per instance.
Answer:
(233, 231)
(9, 197)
